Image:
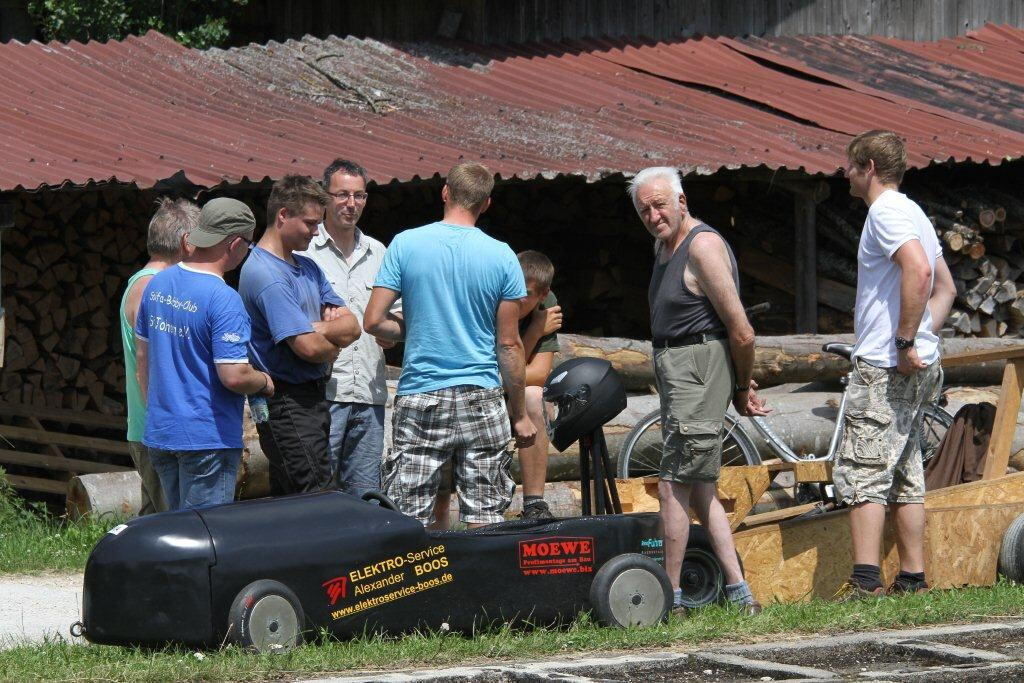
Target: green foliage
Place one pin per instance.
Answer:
(33, 539)
(195, 23)
(57, 659)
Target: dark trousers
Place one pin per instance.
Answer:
(296, 438)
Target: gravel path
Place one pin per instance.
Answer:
(37, 605)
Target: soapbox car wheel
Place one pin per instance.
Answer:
(1011, 553)
(702, 578)
(630, 590)
(266, 617)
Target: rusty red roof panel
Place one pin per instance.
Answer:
(146, 109)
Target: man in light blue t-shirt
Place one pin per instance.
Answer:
(193, 363)
(460, 290)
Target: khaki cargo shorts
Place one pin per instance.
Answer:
(695, 384)
(880, 457)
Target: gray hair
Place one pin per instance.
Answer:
(667, 173)
(173, 218)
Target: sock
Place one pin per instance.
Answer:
(739, 593)
(530, 500)
(677, 597)
(910, 578)
(867, 576)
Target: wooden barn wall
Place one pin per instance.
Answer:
(498, 21)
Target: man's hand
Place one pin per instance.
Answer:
(748, 403)
(908, 363)
(269, 389)
(385, 343)
(525, 431)
(547, 319)
(331, 313)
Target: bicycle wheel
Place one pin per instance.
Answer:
(640, 455)
(934, 424)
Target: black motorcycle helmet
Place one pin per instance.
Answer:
(586, 393)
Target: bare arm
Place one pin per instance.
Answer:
(142, 367)
(511, 359)
(943, 293)
(915, 284)
(538, 369)
(543, 321)
(242, 378)
(378, 319)
(710, 264)
(313, 347)
(339, 326)
(512, 364)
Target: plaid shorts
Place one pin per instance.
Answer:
(464, 424)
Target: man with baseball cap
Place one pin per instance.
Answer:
(192, 361)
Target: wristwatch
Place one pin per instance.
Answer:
(902, 343)
(739, 387)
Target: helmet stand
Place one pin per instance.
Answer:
(594, 460)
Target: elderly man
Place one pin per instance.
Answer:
(904, 293)
(193, 361)
(461, 291)
(299, 325)
(165, 242)
(357, 390)
(703, 361)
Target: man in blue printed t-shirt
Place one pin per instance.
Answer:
(460, 290)
(299, 325)
(192, 362)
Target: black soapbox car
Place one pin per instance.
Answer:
(262, 573)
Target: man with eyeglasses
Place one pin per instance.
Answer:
(192, 361)
(357, 390)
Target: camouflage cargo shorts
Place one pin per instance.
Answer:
(880, 458)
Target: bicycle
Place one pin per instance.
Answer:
(640, 454)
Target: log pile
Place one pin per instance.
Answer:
(982, 236)
(64, 268)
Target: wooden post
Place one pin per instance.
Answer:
(1005, 423)
(806, 265)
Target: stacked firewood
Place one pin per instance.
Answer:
(64, 267)
(982, 236)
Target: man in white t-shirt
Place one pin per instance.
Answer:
(904, 293)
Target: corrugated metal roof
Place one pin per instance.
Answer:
(145, 109)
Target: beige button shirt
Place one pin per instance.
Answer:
(358, 373)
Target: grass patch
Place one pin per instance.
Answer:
(34, 539)
(60, 660)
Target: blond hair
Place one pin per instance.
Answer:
(295, 193)
(885, 148)
(469, 185)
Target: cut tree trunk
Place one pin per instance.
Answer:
(777, 360)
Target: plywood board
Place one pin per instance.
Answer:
(1005, 424)
(739, 489)
(802, 559)
(1006, 489)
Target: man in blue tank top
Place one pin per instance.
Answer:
(703, 361)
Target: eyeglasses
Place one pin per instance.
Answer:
(344, 196)
(248, 243)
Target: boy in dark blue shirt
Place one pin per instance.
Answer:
(192, 362)
(299, 325)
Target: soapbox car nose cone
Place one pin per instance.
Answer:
(121, 604)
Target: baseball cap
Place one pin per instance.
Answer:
(220, 218)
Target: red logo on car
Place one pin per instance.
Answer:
(336, 588)
(557, 555)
